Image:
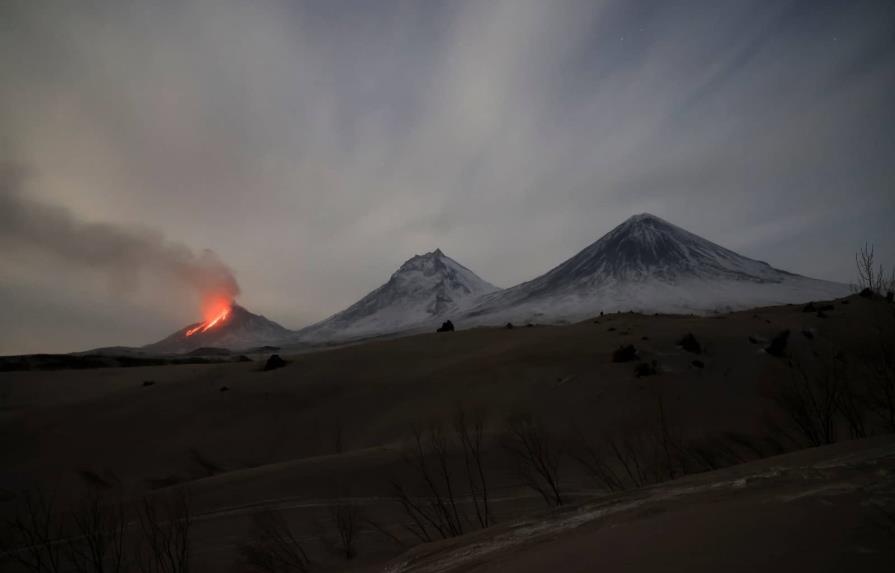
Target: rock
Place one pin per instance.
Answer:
(808, 334)
(509, 326)
(866, 293)
(446, 326)
(777, 347)
(625, 353)
(690, 344)
(148, 383)
(224, 389)
(645, 369)
(611, 329)
(698, 364)
(274, 362)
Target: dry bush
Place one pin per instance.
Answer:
(538, 457)
(347, 518)
(635, 456)
(470, 431)
(272, 547)
(99, 543)
(35, 538)
(871, 276)
(437, 512)
(165, 523)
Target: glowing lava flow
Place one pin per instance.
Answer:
(222, 316)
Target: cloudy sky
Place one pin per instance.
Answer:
(314, 146)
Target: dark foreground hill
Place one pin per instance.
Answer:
(330, 431)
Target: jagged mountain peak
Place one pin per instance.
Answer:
(424, 289)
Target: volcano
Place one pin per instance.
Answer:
(233, 327)
(647, 264)
(424, 290)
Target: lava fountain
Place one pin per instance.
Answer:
(216, 310)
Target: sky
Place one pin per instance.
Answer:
(306, 149)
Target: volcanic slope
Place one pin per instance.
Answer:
(647, 264)
(238, 329)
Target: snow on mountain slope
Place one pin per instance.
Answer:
(647, 264)
(426, 289)
(240, 330)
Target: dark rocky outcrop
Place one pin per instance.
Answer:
(646, 369)
(625, 353)
(274, 362)
(777, 347)
(690, 344)
(446, 326)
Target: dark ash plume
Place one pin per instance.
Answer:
(122, 252)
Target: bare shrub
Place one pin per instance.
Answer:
(881, 378)
(36, 533)
(99, 545)
(634, 457)
(347, 518)
(435, 513)
(537, 455)
(811, 402)
(470, 431)
(272, 547)
(165, 523)
(871, 276)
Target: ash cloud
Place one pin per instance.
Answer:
(122, 253)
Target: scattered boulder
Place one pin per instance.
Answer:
(821, 314)
(646, 369)
(611, 329)
(753, 340)
(529, 325)
(224, 389)
(274, 362)
(625, 353)
(811, 307)
(148, 383)
(690, 344)
(509, 326)
(777, 347)
(698, 364)
(243, 358)
(644, 338)
(808, 334)
(446, 326)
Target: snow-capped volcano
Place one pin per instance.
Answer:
(427, 288)
(647, 264)
(237, 329)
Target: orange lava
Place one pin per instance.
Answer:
(216, 319)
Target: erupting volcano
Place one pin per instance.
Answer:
(226, 325)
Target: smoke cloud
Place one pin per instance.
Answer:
(122, 253)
